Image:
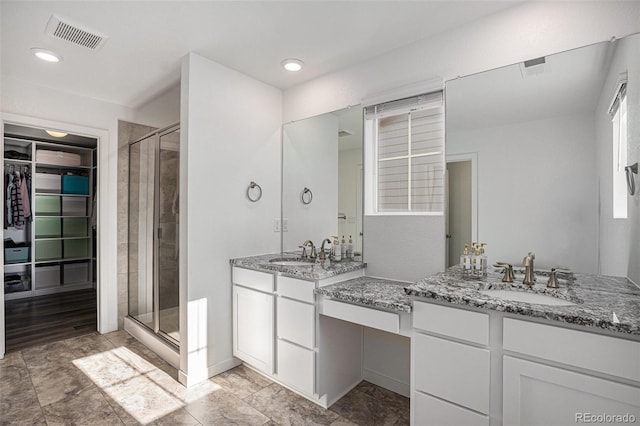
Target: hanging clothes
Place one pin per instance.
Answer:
(9, 209)
(17, 208)
(24, 194)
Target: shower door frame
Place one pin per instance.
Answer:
(156, 134)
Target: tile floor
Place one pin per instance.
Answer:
(114, 379)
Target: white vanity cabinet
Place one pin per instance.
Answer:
(277, 329)
(575, 375)
(476, 368)
(253, 318)
(450, 364)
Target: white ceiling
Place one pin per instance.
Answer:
(570, 83)
(147, 40)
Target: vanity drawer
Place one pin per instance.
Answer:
(452, 371)
(296, 322)
(296, 289)
(609, 355)
(374, 318)
(451, 322)
(430, 411)
(296, 366)
(253, 279)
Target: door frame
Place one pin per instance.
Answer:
(106, 244)
(473, 157)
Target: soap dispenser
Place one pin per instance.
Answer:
(465, 260)
(483, 259)
(337, 249)
(476, 261)
(343, 248)
(350, 248)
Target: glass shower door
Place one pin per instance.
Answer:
(168, 225)
(153, 233)
(142, 180)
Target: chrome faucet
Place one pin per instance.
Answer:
(322, 256)
(529, 278)
(304, 246)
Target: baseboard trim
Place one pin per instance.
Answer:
(386, 382)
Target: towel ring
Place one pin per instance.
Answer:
(252, 186)
(631, 183)
(306, 196)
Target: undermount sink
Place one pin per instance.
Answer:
(521, 296)
(291, 262)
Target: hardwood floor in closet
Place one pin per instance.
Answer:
(43, 319)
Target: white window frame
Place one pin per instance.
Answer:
(619, 120)
(371, 160)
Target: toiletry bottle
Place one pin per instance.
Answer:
(337, 250)
(343, 248)
(465, 260)
(350, 249)
(483, 259)
(476, 261)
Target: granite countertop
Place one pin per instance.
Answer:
(315, 271)
(375, 293)
(603, 302)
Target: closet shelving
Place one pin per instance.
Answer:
(60, 235)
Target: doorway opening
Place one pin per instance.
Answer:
(462, 211)
(50, 235)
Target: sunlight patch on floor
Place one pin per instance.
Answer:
(143, 390)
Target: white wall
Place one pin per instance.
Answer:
(537, 190)
(386, 360)
(163, 110)
(230, 135)
(619, 248)
(525, 31)
(405, 248)
(310, 156)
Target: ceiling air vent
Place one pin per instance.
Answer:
(73, 33)
(534, 67)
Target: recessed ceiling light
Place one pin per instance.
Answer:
(292, 64)
(56, 134)
(46, 55)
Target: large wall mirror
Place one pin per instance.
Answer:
(530, 158)
(322, 179)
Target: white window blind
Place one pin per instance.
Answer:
(618, 112)
(409, 154)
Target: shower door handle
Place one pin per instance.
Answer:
(159, 233)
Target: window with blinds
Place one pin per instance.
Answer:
(409, 154)
(618, 112)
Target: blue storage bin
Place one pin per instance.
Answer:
(16, 255)
(75, 185)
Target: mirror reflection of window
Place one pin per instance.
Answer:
(618, 112)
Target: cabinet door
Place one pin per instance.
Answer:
(253, 336)
(537, 394)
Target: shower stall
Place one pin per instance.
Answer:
(153, 289)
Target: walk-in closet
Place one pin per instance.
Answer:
(50, 234)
